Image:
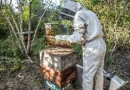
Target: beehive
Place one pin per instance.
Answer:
(58, 65)
(58, 58)
(60, 78)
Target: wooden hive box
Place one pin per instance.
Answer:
(58, 58)
(57, 77)
(58, 65)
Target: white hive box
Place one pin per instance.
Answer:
(58, 58)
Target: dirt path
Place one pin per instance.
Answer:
(28, 78)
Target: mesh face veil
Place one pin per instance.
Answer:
(69, 9)
(67, 14)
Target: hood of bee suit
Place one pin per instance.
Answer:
(70, 8)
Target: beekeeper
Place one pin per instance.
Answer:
(87, 28)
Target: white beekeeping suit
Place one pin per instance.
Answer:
(87, 27)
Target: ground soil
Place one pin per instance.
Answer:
(29, 77)
(120, 66)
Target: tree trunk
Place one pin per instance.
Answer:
(29, 28)
(21, 20)
(18, 32)
(34, 36)
(13, 30)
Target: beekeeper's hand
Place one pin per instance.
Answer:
(71, 28)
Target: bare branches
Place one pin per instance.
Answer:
(18, 31)
(16, 28)
(29, 26)
(117, 11)
(12, 28)
(34, 36)
(21, 19)
(10, 2)
(1, 3)
(14, 21)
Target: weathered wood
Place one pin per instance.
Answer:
(57, 77)
(58, 58)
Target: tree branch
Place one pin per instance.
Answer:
(10, 2)
(29, 27)
(12, 28)
(14, 21)
(19, 39)
(21, 19)
(1, 4)
(19, 36)
(34, 36)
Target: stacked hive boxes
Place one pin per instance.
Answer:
(57, 65)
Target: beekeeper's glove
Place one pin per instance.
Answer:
(58, 37)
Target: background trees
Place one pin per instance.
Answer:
(30, 16)
(20, 21)
(114, 17)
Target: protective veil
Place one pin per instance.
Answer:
(87, 27)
